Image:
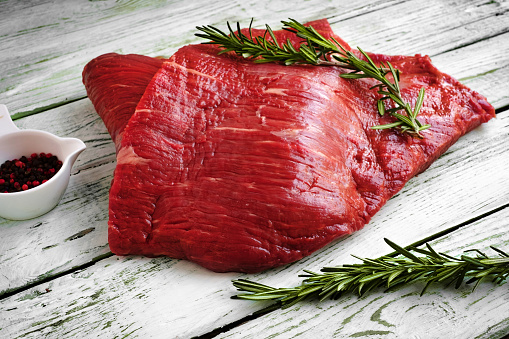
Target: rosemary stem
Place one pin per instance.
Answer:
(386, 271)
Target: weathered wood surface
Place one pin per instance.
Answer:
(42, 58)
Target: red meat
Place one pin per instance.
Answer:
(115, 84)
(242, 167)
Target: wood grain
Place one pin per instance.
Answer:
(45, 45)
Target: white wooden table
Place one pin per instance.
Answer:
(57, 276)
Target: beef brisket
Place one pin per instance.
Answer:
(242, 167)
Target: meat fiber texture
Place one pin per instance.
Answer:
(242, 167)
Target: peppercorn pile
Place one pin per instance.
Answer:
(24, 173)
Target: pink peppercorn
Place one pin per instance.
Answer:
(27, 172)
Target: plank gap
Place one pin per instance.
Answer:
(505, 31)
(42, 109)
(356, 15)
(231, 326)
(10, 292)
(451, 229)
(501, 109)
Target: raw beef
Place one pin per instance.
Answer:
(242, 167)
(115, 84)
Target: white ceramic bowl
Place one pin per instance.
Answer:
(15, 143)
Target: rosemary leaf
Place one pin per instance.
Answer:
(418, 104)
(381, 107)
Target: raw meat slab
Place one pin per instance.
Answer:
(242, 167)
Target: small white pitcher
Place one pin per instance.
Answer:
(15, 143)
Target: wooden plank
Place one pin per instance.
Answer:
(36, 74)
(161, 298)
(468, 40)
(483, 66)
(423, 27)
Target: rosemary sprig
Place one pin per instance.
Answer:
(386, 271)
(317, 50)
